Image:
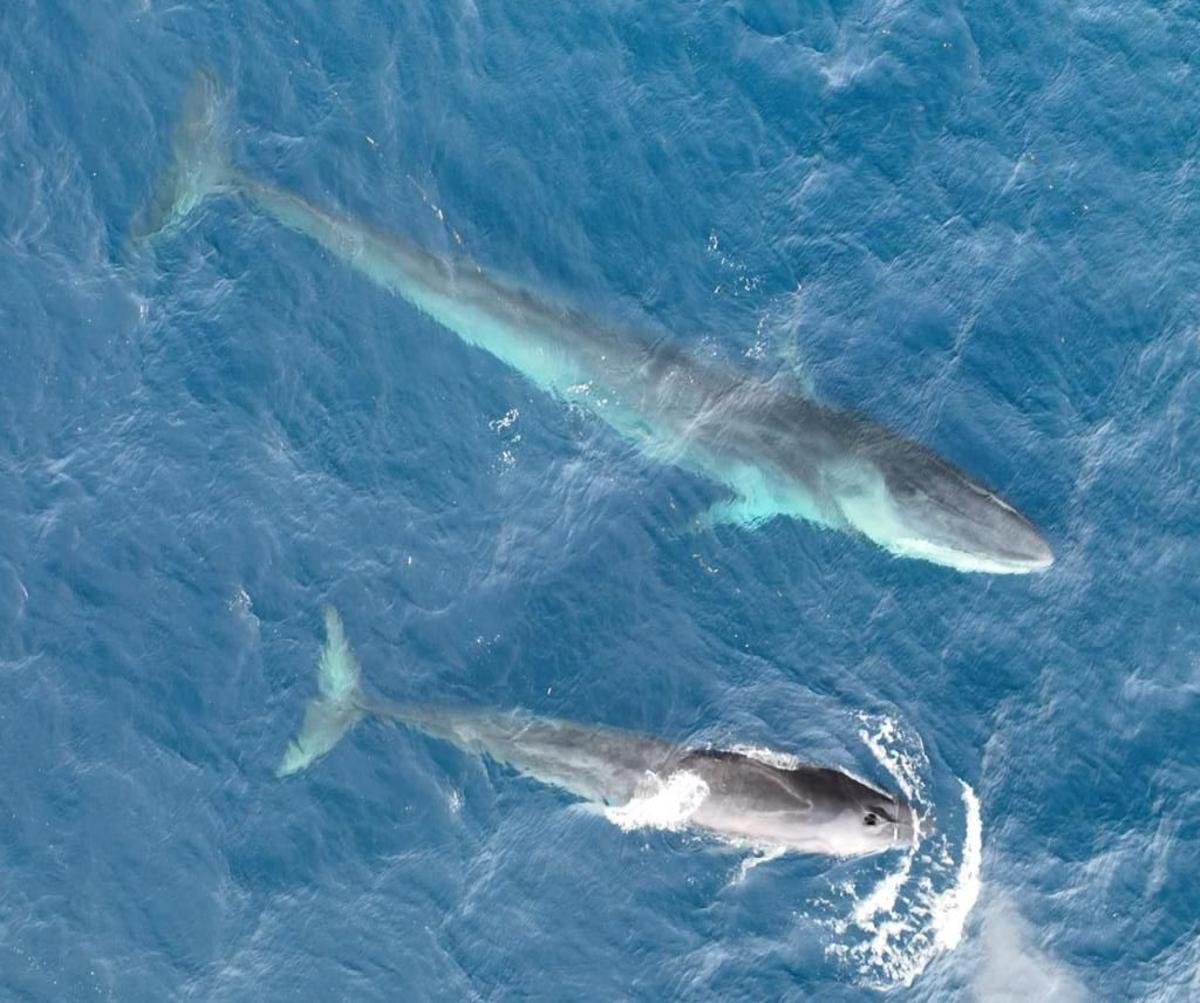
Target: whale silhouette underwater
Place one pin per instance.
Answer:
(774, 449)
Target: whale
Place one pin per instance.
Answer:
(759, 800)
(774, 449)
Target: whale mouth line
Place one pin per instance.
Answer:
(966, 560)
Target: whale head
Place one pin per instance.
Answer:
(868, 819)
(913, 503)
(809, 809)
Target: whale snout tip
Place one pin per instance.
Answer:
(1016, 546)
(1036, 554)
(1043, 561)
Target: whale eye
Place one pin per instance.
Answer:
(876, 814)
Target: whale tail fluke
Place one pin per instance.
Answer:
(338, 706)
(199, 162)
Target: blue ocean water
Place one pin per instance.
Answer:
(978, 223)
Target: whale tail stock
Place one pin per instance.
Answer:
(338, 706)
(199, 162)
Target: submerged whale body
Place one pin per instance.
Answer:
(807, 809)
(776, 451)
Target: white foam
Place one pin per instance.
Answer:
(882, 899)
(900, 753)
(780, 760)
(920, 908)
(507, 420)
(240, 605)
(661, 804)
(955, 904)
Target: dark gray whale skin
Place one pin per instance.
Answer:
(760, 800)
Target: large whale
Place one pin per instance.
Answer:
(734, 796)
(776, 451)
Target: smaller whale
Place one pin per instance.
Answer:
(734, 796)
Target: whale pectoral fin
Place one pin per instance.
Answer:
(737, 511)
(595, 809)
(757, 856)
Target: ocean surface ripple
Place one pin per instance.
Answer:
(977, 223)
